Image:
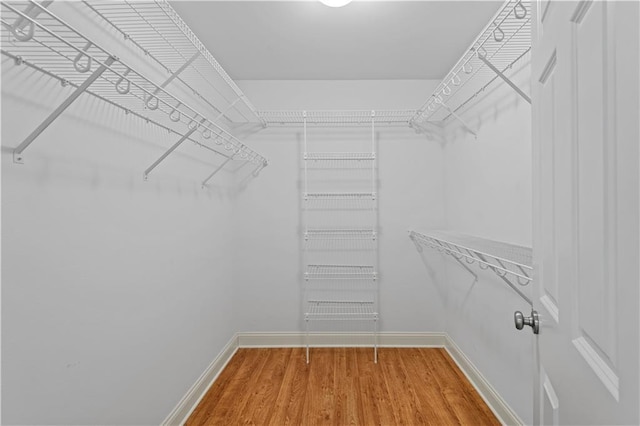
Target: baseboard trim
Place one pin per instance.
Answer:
(496, 403)
(288, 340)
(190, 401)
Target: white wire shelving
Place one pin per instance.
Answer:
(337, 118)
(511, 263)
(340, 227)
(34, 36)
(340, 234)
(503, 42)
(339, 156)
(339, 196)
(160, 33)
(340, 272)
(343, 309)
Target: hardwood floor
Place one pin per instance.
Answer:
(342, 386)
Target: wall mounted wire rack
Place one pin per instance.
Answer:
(157, 29)
(34, 36)
(511, 263)
(500, 45)
(336, 118)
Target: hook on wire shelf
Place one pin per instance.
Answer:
(446, 90)
(193, 124)
(467, 68)
(76, 62)
(482, 52)
(498, 34)
(456, 80)
(175, 115)
(206, 134)
(523, 281)
(125, 90)
(523, 11)
(148, 102)
(20, 35)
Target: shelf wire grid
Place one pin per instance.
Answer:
(337, 118)
(60, 50)
(157, 29)
(340, 272)
(504, 41)
(510, 262)
(343, 309)
(340, 234)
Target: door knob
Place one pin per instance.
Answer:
(533, 321)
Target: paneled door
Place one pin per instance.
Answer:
(586, 201)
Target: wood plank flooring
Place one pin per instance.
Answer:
(342, 386)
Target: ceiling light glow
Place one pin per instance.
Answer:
(335, 3)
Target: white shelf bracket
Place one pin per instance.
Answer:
(457, 117)
(505, 279)
(504, 77)
(224, 163)
(177, 73)
(17, 152)
(184, 137)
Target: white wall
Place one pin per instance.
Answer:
(268, 271)
(116, 292)
(488, 194)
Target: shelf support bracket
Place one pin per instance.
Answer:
(505, 279)
(170, 150)
(17, 152)
(177, 73)
(473, 274)
(224, 163)
(505, 78)
(457, 117)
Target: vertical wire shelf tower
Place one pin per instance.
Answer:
(340, 247)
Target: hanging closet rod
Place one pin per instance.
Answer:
(507, 261)
(54, 46)
(504, 41)
(160, 33)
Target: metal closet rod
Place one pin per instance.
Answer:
(230, 140)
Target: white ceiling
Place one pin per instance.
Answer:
(305, 40)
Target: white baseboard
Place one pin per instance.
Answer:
(185, 407)
(496, 403)
(189, 402)
(288, 340)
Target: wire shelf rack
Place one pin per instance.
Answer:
(340, 234)
(339, 156)
(160, 33)
(340, 272)
(511, 263)
(502, 43)
(337, 118)
(33, 34)
(339, 196)
(343, 309)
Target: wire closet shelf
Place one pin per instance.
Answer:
(511, 263)
(161, 34)
(36, 37)
(502, 43)
(336, 118)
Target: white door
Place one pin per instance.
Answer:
(586, 222)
